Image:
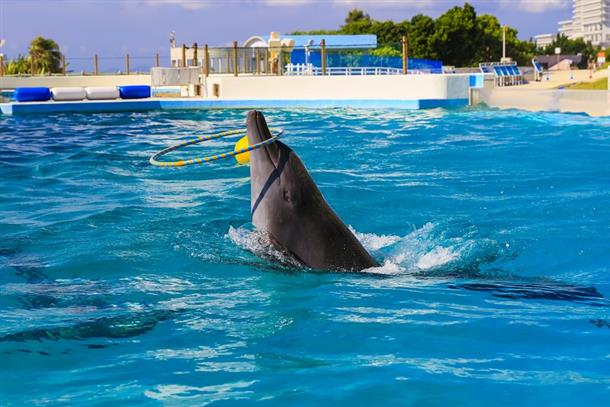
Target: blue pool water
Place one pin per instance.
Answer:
(122, 283)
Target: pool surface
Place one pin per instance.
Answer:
(123, 283)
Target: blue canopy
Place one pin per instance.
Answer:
(332, 41)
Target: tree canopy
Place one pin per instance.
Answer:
(458, 37)
(43, 55)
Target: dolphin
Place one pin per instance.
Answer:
(287, 205)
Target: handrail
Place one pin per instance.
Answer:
(303, 70)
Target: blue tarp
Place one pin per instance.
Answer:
(353, 59)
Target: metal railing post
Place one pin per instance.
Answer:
(157, 61)
(235, 59)
(279, 63)
(63, 64)
(1, 65)
(245, 61)
(183, 55)
(323, 55)
(207, 60)
(195, 60)
(405, 57)
(32, 71)
(127, 70)
(96, 66)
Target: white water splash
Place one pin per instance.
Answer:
(424, 250)
(374, 242)
(259, 244)
(436, 258)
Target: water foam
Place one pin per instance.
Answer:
(260, 244)
(426, 250)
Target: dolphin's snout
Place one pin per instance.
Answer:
(257, 127)
(258, 132)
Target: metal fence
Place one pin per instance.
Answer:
(94, 65)
(235, 60)
(361, 58)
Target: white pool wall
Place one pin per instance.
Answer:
(387, 87)
(591, 102)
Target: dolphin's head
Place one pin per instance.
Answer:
(267, 156)
(278, 179)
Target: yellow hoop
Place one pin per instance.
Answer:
(201, 160)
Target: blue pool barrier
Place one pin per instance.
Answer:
(134, 92)
(39, 94)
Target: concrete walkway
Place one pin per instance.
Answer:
(565, 78)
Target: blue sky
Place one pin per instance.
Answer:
(141, 27)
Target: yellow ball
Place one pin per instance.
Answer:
(243, 158)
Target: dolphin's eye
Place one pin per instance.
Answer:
(291, 197)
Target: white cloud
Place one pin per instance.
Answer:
(186, 4)
(287, 2)
(354, 3)
(539, 6)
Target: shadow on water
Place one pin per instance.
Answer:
(553, 291)
(124, 326)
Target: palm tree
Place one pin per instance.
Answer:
(17, 66)
(45, 55)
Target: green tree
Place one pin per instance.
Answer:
(356, 15)
(421, 30)
(458, 37)
(386, 51)
(44, 52)
(454, 36)
(489, 38)
(17, 66)
(489, 42)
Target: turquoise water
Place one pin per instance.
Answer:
(122, 283)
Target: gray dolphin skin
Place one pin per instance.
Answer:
(289, 207)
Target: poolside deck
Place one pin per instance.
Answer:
(376, 91)
(14, 108)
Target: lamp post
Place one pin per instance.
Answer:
(503, 42)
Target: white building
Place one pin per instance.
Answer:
(543, 40)
(590, 21)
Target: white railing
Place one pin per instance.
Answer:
(302, 69)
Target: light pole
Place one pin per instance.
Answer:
(503, 42)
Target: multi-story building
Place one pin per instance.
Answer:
(543, 40)
(590, 21)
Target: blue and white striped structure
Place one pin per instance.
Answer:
(504, 74)
(538, 70)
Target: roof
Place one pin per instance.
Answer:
(332, 41)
